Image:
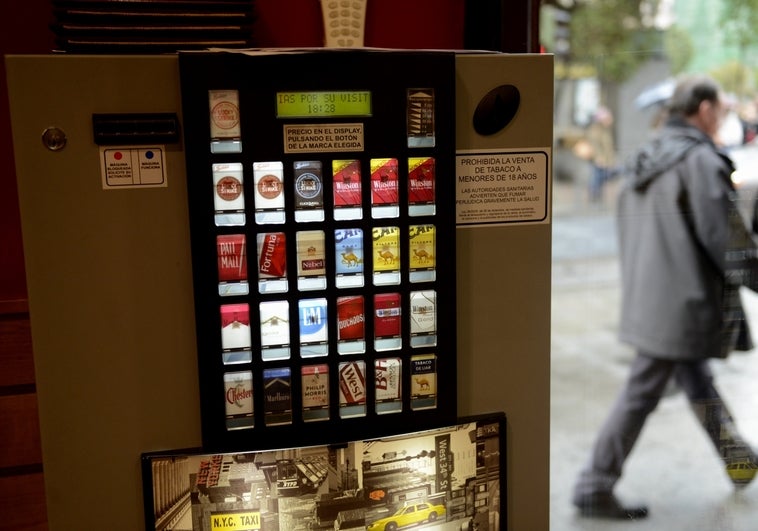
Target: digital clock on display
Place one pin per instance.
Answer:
(323, 104)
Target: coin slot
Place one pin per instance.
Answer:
(496, 110)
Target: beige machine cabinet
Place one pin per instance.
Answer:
(504, 276)
(110, 287)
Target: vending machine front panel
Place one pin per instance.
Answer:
(321, 200)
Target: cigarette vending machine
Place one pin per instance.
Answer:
(233, 253)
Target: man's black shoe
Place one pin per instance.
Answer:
(607, 506)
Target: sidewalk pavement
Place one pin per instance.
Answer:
(673, 468)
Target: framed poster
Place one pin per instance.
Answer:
(453, 475)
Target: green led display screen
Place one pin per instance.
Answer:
(323, 104)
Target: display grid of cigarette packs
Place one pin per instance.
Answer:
(321, 205)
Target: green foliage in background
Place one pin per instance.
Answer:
(612, 36)
(734, 77)
(739, 18)
(679, 49)
(609, 34)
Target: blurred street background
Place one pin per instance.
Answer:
(624, 57)
(673, 468)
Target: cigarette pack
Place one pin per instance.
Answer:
(386, 255)
(313, 328)
(315, 388)
(309, 191)
(421, 118)
(421, 186)
(423, 381)
(348, 247)
(422, 252)
(352, 385)
(346, 178)
(224, 114)
(274, 329)
(238, 394)
(351, 319)
(388, 385)
(387, 321)
(277, 396)
(423, 305)
(268, 181)
(311, 259)
(235, 326)
(231, 250)
(228, 194)
(384, 188)
(272, 262)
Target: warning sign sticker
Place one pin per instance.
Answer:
(323, 138)
(502, 187)
(128, 167)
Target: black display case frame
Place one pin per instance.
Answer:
(258, 77)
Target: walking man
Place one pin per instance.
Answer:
(684, 252)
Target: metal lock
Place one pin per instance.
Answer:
(54, 138)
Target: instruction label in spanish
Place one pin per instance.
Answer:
(323, 138)
(127, 167)
(502, 187)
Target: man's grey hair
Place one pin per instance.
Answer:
(690, 92)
